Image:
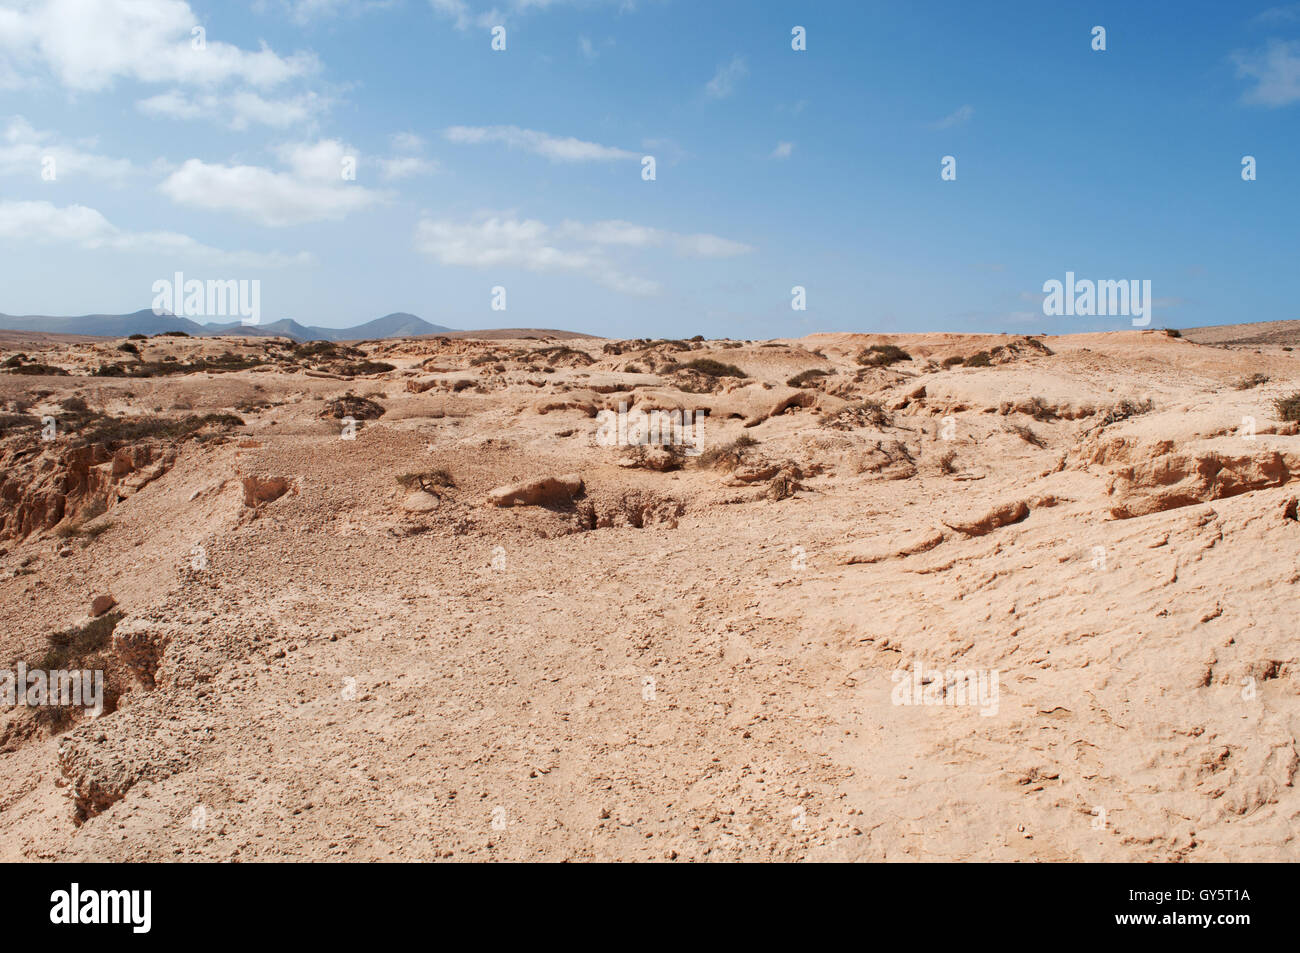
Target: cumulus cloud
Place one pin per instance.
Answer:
(88, 44)
(24, 151)
(617, 232)
(725, 79)
(237, 110)
(312, 189)
(1275, 70)
(87, 228)
(555, 148)
(576, 247)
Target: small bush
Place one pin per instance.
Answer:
(711, 368)
(74, 405)
(979, 359)
(1027, 435)
(45, 370)
(1254, 380)
(882, 355)
(1288, 408)
(806, 377)
(137, 337)
(729, 456)
(946, 462)
(128, 347)
(862, 414)
(349, 405)
(172, 334)
(1173, 332)
(1040, 410)
(430, 481)
(115, 430)
(365, 367)
(953, 361)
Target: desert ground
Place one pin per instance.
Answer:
(402, 600)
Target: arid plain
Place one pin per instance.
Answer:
(408, 600)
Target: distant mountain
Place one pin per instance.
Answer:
(394, 325)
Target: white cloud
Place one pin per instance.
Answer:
(555, 148)
(313, 190)
(783, 150)
(305, 11)
(88, 44)
(24, 151)
(1275, 70)
(956, 118)
(87, 228)
(407, 142)
(487, 13)
(403, 167)
(576, 247)
(237, 110)
(709, 246)
(617, 232)
(725, 79)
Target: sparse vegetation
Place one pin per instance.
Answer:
(711, 368)
(169, 365)
(36, 369)
(946, 464)
(882, 355)
(1288, 408)
(1027, 435)
(862, 414)
(128, 347)
(1173, 332)
(953, 361)
(1039, 409)
(979, 359)
(350, 405)
(1254, 380)
(430, 481)
(365, 367)
(728, 456)
(806, 377)
(118, 430)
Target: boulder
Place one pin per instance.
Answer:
(539, 492)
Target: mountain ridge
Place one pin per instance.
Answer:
(398, 324)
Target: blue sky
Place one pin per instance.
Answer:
(522, 168)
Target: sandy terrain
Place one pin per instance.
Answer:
(655, 655)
